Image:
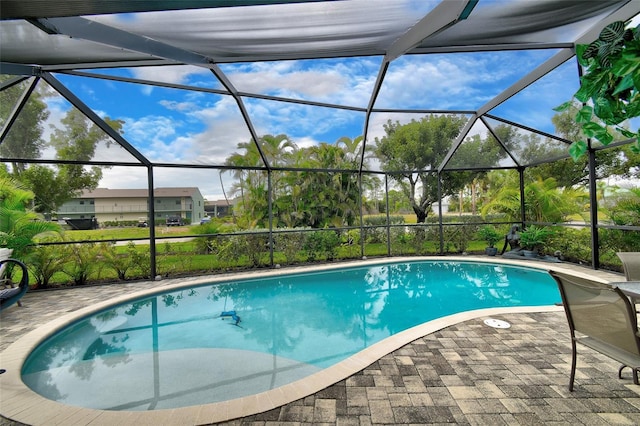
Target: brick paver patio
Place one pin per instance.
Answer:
(467, 373)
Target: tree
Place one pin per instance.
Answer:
(19, 225)
(412, 153)
(320, 198)
(24, 140)
(544, 201)
(76, 141)
(568, 172)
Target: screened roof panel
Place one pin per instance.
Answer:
(340, 81)
(359, 54)
(165, 124)
(303, 30)
(531, 106)
(305, 125)
(454, 81)
(526, 146)
(480, 149)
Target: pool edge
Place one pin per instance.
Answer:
(21, 404)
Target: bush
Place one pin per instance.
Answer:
(44, 262)
(322, 244)
(290, 244)
(83, 261)
(120, 263)
(489, 234)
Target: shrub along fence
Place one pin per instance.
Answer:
(213, 249)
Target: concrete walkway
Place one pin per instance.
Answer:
(467, 373)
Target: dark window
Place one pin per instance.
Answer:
(178, 202)
(81, 202)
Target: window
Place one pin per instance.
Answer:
(92, 202)
(82, 202)
(178, 202)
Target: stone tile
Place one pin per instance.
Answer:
(464, 374)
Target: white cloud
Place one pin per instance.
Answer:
(178, 74)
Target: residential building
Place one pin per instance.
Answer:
(120, 205)
(218, 208)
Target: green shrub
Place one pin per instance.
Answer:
(44, 262)
(290, 244)
(82, 261)
(322, 244)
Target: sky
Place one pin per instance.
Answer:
(170, 125)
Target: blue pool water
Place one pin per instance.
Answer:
(221, 341)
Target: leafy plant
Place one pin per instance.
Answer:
(535, 238)
(44, 262)
(19, 226)
(83, 261)
(610, 87)
(490, 235)
(322, 244)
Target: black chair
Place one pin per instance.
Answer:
(11, 295)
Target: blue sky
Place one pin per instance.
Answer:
(172, 125)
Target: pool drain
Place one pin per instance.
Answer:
(496, 323)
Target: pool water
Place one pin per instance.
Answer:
(222, 341)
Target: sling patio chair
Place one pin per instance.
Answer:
(630, 264)
(602, 318)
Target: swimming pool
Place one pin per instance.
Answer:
(221, 341)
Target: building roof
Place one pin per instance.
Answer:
(140, 193)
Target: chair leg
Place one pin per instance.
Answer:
(573, 365)
(622, 367)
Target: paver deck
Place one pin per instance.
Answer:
(467, 373)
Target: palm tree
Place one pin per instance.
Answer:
(18, 225)
(544, 201)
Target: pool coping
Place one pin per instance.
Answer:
(21, 404)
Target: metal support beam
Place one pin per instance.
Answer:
(438, 19)
(152, 223)
(88, 112)
(13, 116)
(386, 192)
(360, 207)
(440, 224)
(523, 212)
(374, 95)
(593, 210)
(270, 209)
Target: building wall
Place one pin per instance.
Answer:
(121, 209)
(78, 208)
(134, 208)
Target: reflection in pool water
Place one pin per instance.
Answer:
(186, 348)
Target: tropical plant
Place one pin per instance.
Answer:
(44, 262)
(610, 87)
(535, 238)
(490, 235)
(544, 201)
(20, 226)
